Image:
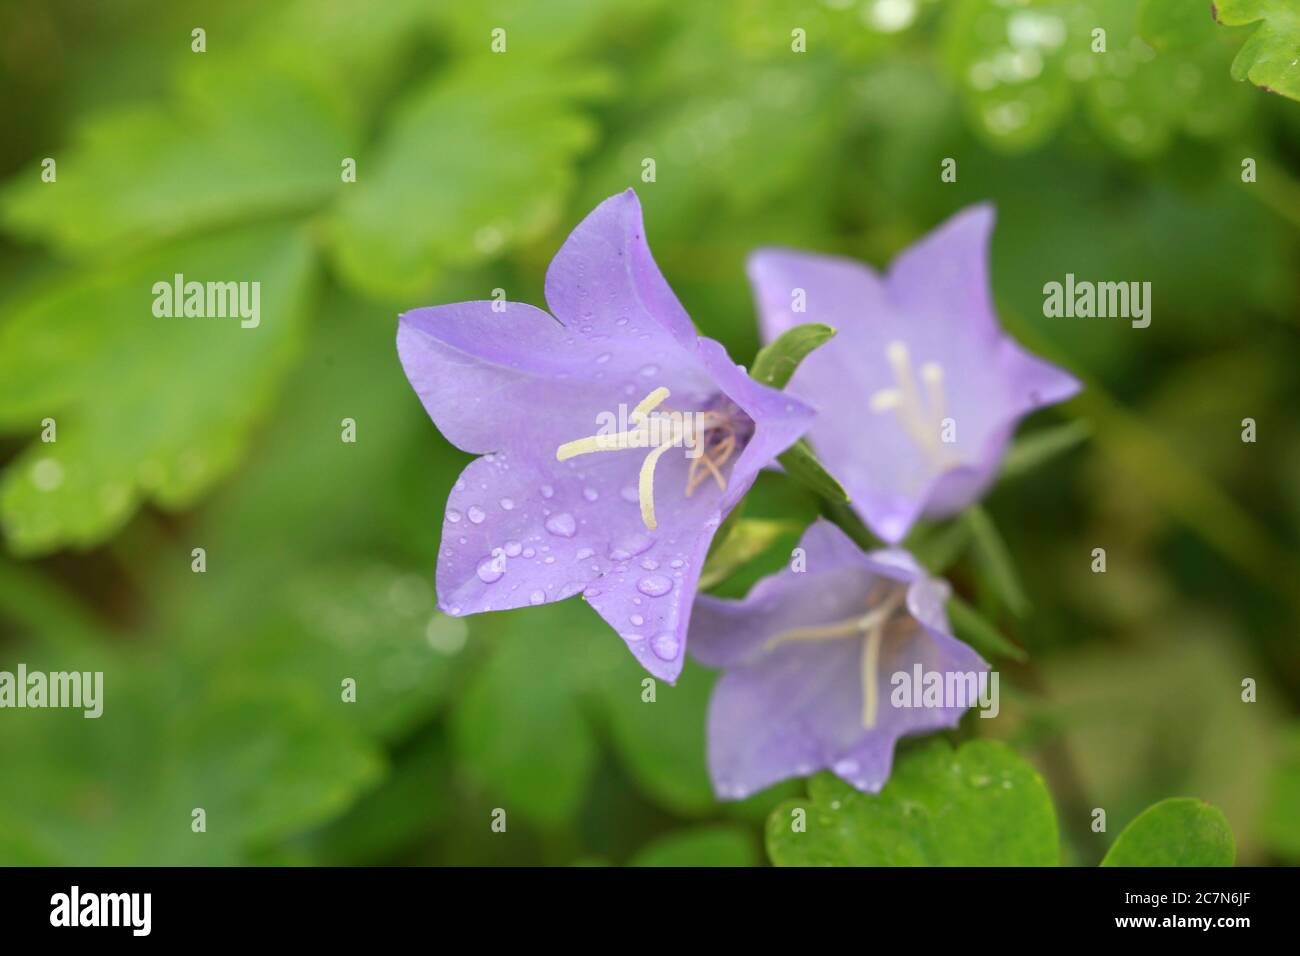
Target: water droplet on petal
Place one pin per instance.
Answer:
(453, 515)
(666, 646)
(513, 548)
(654, 585)
(602, 358)
(476, 514)
(507, 504)
(548, 491)
(629, 546)
(537, 597)
(676, 563)
(591, 494)
(637, 619)
(650, 370)
(490, 569)
(562, 524)
(650, 564)
(630, 495)
(584, 553)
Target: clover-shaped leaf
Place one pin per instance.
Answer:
(1270, 57)
(1180, 831)
(979, 805)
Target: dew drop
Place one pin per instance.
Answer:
(476, 514)
(666, 646)
(630, 495)
(650, 370)
(650, 564)
(629, 546)
(490, 569)
(453, 515)
(637, 619)
(548, 491)
(602, 358)
(562, 524)
(591, 494)
(507, 504)
(654, 585)
(513, 548)
(537, 597)
(584, 553)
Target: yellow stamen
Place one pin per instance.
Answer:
(871, 627)
(637, 437)
(921, 419)
(646, 486)
(685, 429)
(870, 663)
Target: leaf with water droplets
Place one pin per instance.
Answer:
(1010, 65)
(1180, 831)
(1270, 57)
(777, 361)
(980, 805)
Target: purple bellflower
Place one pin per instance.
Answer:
(613, 439)
(919, 393)
(812, 660)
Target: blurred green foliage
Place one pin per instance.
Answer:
(223, 689)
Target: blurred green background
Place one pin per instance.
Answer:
(223, 688)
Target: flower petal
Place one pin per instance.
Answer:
(605, 279)
(935, 303)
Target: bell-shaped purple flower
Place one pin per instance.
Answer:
(613, 439)
(920, 391)
(829, 662)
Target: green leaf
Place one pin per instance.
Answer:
(1037, 448)
(364, 619)
(147, 408)
(802, 465)
(1174, 24)
(748, 539)
(981, 805)
(707, 846)
(1280, 821)
(1179, 831)
(1270, 57)
(262, 763)
(403, 811)
(1010, 65)
(661, 742)
(938, 546)
(995, 560)
(239, 143)
(473, 163)
(969, 625)
(519, 729)
(266, 765)
(777, 361)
